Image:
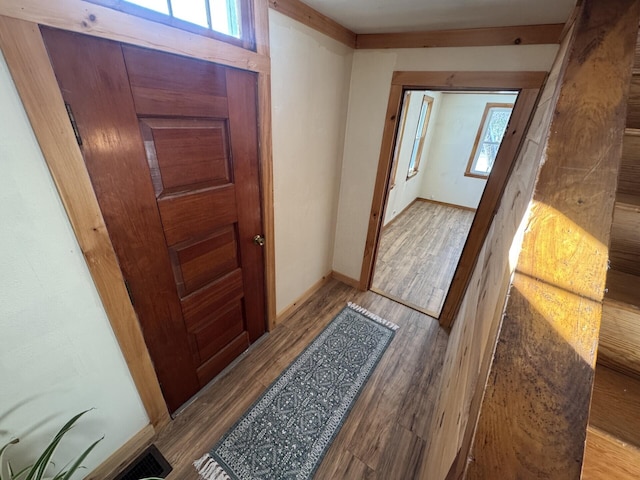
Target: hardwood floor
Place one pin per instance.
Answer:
(418, 254)
(386, 434)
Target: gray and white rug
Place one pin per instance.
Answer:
(287, 431)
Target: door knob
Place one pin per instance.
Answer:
(259, 240)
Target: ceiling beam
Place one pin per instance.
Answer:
(470, 37)
(312, 18)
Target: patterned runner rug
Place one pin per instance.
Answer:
(287, 431)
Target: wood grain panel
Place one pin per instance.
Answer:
(201, 305)
(633, 108)
(534, 414)
(472, 37)
(607, 458)
(629, 178)
(160, 87)
(615, 404)
(310, 17)
(625, 235)
(196, 264)
(185, 216)
(28, 61)
(620, 336)
(242, 91)
(230, 321)
(224, 357)
(623, 287)
(185, 153)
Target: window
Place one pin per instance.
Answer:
(227, 20)
(492, 128)
(403, 121)
(421, 131)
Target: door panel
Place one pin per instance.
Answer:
(171, 148)
(185, 153)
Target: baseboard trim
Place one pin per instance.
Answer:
(293, 307)
(461, 207)
(352, 282)
(119, 459)
(397, 215)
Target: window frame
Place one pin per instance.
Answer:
(475, 151)
(246, 20)
(406, 99)
(417, 149)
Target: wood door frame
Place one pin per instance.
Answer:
(528, 85)
(28, 61)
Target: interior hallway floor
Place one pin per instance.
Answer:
(385, 436)
(418, 254)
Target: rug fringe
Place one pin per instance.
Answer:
(373, 316)
(209, 469)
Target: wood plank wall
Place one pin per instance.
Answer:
(474, 332)
(534, 413)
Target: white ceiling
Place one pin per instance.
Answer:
(384, 16)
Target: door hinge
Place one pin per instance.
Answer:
(126, 284)
(74, 125)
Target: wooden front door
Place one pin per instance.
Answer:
(171, 147)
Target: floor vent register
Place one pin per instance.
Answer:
(150, 463)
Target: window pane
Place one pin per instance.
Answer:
(224, 17)
(155, 5)
(498, 121)
(487, 156)
(193, 11)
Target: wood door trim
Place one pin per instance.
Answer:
(28, 62)
(529, 85)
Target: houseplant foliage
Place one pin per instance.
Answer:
(41, 468)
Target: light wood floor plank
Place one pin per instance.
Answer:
(419, 252)
(384, 436)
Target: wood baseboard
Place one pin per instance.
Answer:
(461, 207)
(384, 227)
(293, 307)
(352, 282)
(119, 459)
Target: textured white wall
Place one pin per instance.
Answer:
(369, 94)
(58, 354)
(310, 88)
(455, 130)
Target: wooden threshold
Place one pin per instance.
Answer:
(401, 301)
(608, 458)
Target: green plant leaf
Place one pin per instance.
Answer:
(80, 459)
(2, 450)
(39, 468)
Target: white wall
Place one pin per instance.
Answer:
(369, 94)
(58, 354)
(406, 189)
(456, 128)
(310, 87)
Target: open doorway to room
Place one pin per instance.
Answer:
(445, 148)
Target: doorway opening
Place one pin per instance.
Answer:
(445, 148)
(527, 86)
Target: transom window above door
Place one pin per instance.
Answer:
(227, 20)
(490, 133)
